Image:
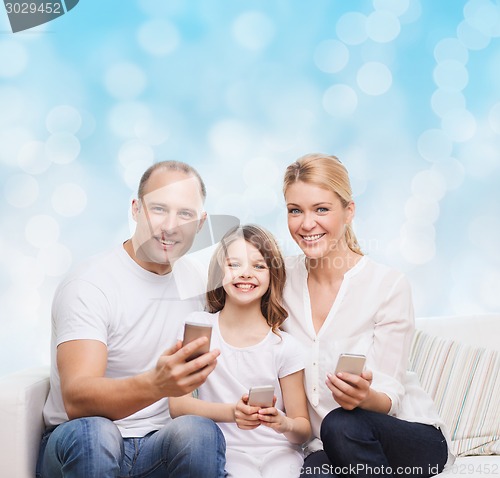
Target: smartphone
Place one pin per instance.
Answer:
(351, 363)
(193, 331)
(262, 396)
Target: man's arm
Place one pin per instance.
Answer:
(86, 392)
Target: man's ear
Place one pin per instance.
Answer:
(136, 206)
(202, 221)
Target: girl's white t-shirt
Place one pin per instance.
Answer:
(238, 369)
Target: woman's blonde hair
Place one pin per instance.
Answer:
(326, 172)
(271, 302)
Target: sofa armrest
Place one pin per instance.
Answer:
(22, 397)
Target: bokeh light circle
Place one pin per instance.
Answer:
(471, 37)
(331, 56)
(62, 148)
(152, 131)
(13, 58)
(124, 117)
(417, 244)
(253, 30)
(374, 78)
(229, 138)
(434, 144)
(351, 28)
(451, 49)
(260, 199)
(451, 170)
(419, 210)
(125, 81)
(26, 272)
(428, 185)
(340, 101)
(21, 190)
(69, 199)
(482, 15)
(397, 7)
(42, 231)
(459, 124)
(442, 101)
(382, 26)
(135, 150)
(262, 171)
(12, 141)
(494, 118)
(158, 37)
(55, 260)
(63, 119)
(32, 157)
(451, 75)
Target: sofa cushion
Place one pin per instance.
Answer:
(464, 382)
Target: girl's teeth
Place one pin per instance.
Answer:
(244, 286)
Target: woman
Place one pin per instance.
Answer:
(381, 422)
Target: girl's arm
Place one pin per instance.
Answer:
(188, 405)
(295, 424)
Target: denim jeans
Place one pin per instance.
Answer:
(368, 444)
(189, 446)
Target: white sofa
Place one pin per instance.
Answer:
(23, 394)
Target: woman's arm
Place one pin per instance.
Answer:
(295, 425)
(188, 405)
(383, 390)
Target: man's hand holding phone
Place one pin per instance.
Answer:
(186, 366)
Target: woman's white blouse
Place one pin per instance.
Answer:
(372, 315)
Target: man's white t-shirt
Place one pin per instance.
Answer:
(134, 312)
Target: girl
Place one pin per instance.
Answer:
(340, 301)
(245, 286)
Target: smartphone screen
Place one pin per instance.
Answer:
(193, 331)
(262, 396)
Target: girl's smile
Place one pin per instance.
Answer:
(246, 275)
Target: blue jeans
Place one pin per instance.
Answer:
(369, 444)
(188, 446)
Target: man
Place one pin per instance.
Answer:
(115, 358)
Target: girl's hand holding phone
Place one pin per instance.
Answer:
(272, 418)
(246, 416)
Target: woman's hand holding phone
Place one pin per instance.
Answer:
(350, 385)
(350, 390)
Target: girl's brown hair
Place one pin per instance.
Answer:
(329, 173)
(271, 302)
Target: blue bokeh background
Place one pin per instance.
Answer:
(405, 92)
